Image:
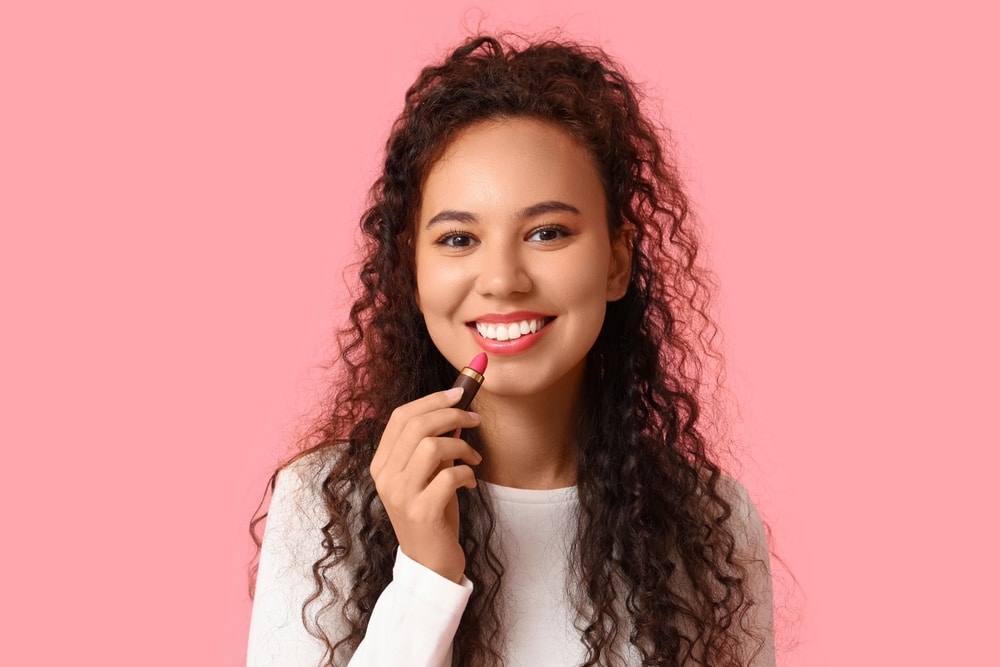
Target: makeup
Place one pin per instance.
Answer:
(470, 379)
(509, 333)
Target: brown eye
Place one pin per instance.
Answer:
(548, 234)
(456, 240)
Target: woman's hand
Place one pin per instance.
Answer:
(417, 480)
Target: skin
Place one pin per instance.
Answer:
(512, 220)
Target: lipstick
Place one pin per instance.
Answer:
(470, 379)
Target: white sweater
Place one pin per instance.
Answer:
(416, 617)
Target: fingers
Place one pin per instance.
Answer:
(416, 478)
(430, 453)
(412, 509)
(410, 475)
(428, 416)
(442, 488)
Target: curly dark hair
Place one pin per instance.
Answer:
(655, 555)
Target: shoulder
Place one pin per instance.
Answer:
(312, 465)
(298, 509)
(306, 471)
(744, 520)
(292, 543)
(740, 518)
(753, 553)
(735, 493)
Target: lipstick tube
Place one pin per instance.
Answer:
(470, 379)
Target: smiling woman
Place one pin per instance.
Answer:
(516, 258)
(575, 516)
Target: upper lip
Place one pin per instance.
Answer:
(509, 318)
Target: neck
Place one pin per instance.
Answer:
(528, 442)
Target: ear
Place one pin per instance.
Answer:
(620, 268)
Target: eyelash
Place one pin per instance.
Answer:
(447, 238)
(563, 232)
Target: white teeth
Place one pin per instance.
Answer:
(511, 331)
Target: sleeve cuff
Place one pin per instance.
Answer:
(424, 584)
(415, 619)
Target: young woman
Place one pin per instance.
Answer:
(573, 515)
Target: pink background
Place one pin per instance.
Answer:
(179, 185)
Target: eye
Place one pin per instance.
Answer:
(550, 233)
(456, 239)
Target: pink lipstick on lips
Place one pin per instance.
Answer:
(509, 333)
(471, 379)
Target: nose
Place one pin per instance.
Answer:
(502, 271)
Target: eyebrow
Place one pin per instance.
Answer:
(541, 208)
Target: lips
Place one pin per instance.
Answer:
(510, 330)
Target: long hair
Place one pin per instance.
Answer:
(654, 557)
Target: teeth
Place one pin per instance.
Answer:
(510, 331)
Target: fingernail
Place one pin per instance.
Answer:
(454, 392)
(475, 416)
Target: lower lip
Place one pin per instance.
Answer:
(515, 346)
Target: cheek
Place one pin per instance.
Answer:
(582, 294)
(439, 289)
(585, 278)
(424, 280)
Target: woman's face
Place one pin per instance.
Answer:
(514, 256)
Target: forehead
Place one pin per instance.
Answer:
(511, 163)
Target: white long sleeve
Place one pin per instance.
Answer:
(414, 620)
(751, 545)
